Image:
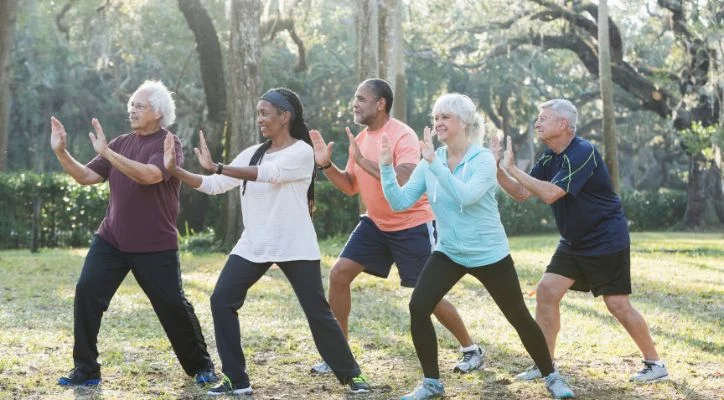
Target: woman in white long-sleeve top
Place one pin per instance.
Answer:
(277, 198)
(459, 179)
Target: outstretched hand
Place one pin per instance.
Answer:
(203, 154)
(100, 144)
(169, 153)
(495, 148)
(354, 150)
(385, 153)
(427, 148)
(322, 151)
(57, 135)
(508, 157)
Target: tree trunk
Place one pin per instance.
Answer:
(392, 53)
(194, 203)
(212, 68)
(244, 88)
(368, 51)
(609, 119)
(7, 23)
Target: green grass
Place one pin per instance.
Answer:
(678, 283)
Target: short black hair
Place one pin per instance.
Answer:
(381, 89)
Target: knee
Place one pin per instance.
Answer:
(419, 309)
(547, 293)
(620, 307)
(340, 275)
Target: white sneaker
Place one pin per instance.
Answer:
(529, 374)
(321, 368)
(471, 361)
(558, 387)
(651, 373)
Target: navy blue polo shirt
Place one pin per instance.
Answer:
(590, 216)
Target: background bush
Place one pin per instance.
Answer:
(68, 213)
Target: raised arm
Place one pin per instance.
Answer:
(509, 185)
(145, 174)
(343, 180)
(79, 172)
(482, 175)
(400, 198)
(549, 193)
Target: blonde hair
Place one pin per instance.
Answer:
(463, 108)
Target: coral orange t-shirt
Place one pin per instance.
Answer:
(405, 150)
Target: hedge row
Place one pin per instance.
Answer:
(66, 214)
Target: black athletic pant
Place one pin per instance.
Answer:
(500, 279)
(235, 280)
(159, 276)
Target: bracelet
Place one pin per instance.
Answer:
(323, 167)
(219, 168)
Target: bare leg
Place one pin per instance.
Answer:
(448, 316)
(340, 299)
(619, 305)
(550, 291)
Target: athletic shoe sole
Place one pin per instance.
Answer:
(89, 382)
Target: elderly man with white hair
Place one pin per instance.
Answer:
(593, 252)
(138, 234)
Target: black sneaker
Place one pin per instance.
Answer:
(359, 384)
(77, 377)
(206, 376)
(228, 387)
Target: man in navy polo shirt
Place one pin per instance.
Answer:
(138, 234)
(593, 253)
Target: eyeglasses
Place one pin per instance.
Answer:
(140, 107)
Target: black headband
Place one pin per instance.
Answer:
(278, 100)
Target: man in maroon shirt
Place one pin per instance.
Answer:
(138, 234)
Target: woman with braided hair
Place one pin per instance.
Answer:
(276, 180)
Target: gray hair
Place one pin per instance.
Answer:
(565, 109)
(463, 108)
(160, 100)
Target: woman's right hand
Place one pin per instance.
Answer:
(203, 154)
(427, 148)
(322, 151)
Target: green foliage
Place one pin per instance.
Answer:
(200, 242)
(698, 139)
(529, 217)
(335, 213)
(653, 210)
(68, 212)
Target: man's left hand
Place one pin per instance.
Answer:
(100, 145)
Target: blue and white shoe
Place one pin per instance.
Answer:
(558, 387)
(430, 389)
(77, 377)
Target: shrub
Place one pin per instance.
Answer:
(63, 212)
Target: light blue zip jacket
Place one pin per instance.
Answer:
(468, 221)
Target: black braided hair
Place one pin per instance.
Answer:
(298, 130)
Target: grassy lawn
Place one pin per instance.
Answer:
(678, 281)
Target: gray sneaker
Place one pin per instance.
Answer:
(471, 361)
(321, 368)
(529, 374)
(558, 387)
(651, 373)
(430, 389)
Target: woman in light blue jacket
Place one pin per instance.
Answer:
(459, 180)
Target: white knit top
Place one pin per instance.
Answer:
(277, 225)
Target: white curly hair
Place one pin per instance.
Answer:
(160, 99)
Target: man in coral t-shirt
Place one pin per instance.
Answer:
(383, 237)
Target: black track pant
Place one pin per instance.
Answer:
(305, 276)
(159, 275)
(500, 279)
